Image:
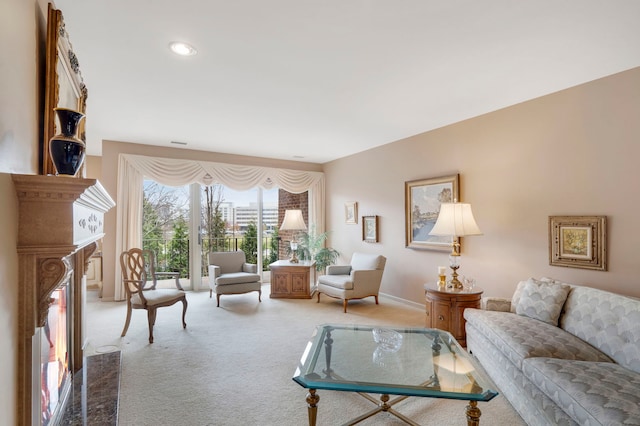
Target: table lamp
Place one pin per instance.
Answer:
(293, 221)
(455, 220)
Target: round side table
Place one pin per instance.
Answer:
(445, 309)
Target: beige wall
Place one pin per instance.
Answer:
(109, 179)
(22, 31)
(570, 153)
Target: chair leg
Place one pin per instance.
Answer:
(259, 295)
(210, 293)
(376, 296)
(127, 321)
(318, 298)
(344, 304)
(218, 299)
(151, 317)
(184, 312)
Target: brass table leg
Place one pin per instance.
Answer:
(473, 414)
(312, 400)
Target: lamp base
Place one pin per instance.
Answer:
(294, 258)
(455, 283)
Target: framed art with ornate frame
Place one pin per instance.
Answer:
(64, 86)
(578, 242)
(370, 229)
(351, 213)
(422, 206)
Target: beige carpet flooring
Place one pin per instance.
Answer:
(233, 365)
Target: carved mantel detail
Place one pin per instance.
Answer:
(51, 272)
(60, 221)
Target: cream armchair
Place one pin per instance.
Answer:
(229, 273)
(362, 278)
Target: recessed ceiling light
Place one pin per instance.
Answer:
(182, 49)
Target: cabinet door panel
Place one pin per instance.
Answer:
(280, 283)
(299, 283)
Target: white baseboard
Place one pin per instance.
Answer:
(404, 301)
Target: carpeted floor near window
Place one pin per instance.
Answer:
(233, 365)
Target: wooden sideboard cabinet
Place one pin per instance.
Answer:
(445, 309)
(292, 280)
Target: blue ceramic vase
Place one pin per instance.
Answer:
(66, 148)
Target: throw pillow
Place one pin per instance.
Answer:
(516, 295)
(542, 300)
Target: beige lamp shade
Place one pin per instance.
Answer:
(293, 221)
(455, 219)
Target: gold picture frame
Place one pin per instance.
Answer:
(351, 213)
(422, 206)
(578, 242)
(64, 86)
(370, 229)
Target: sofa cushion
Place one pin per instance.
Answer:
(592, 393)
(520, 337)
(237, 278)
(542, 300)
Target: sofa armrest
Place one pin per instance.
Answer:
(496, 304)
(251, 268)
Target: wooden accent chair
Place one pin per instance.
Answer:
(360, 279)
(138, 271)
(229, 273)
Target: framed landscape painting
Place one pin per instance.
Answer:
(422, 206)
(578, 241)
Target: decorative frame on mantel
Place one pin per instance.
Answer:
(578, 242)
(64, 86)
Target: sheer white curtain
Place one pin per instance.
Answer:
(132, 169)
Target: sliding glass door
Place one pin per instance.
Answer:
(183, 224)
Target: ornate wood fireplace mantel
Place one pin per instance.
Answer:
(60, 220)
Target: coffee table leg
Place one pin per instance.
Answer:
(312, 400)
(473, 414)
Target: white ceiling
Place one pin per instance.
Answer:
(316, 80)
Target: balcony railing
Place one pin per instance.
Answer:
(173, 255)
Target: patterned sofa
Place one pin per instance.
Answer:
(562, 354)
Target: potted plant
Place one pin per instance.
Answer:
(311, 247)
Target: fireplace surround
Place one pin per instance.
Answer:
(60, 221)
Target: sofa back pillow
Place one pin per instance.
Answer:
(542, 300)
(608, 321)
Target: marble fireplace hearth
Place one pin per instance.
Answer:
(95, 392)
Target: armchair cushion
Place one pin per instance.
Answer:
(237, 278)
(344, 282)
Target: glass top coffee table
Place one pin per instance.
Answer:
(399, 361)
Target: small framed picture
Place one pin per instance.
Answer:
(370, 229)
(578, 242)
(351, 212)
